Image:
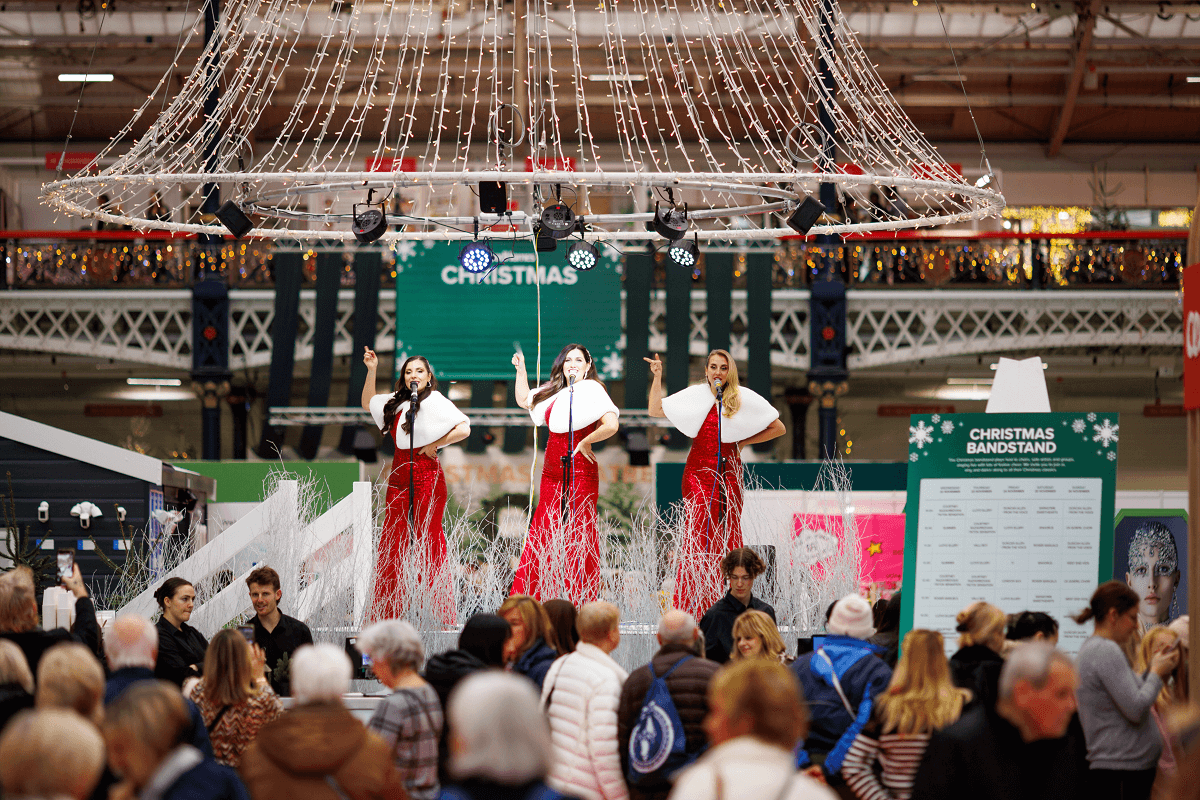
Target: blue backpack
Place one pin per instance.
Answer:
(657, 745)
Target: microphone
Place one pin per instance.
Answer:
(571, 382)
(720, 388)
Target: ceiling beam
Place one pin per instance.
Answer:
(1083, 43)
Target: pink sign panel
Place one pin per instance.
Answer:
(881, 544)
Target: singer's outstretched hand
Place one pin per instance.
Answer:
(518, 361)
(655, 365)
(429, 450)
(585, 449)
(369, 358)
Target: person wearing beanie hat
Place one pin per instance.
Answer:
(841, 680)
(852, 616)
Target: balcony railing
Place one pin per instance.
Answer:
(1125, 259)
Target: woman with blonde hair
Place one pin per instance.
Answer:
(756, 716)
(69, 676)
(1172, 697)
(712, 477)
(920, 700)
(755, 636)
(976, 666)
(234, 696)
(528, 650)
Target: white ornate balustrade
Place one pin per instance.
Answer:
(884, 326)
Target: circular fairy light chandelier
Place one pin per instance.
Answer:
(490, 119)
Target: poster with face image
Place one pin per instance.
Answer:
(1150, 554)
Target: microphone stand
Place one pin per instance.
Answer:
(568, 461)
(720, 500)
(412, 430)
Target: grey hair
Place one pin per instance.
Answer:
(498, 729)
(394, 642)
(677, 627)
(1154, 534)
(131, 641)
(320, 674)
(1029, 661)
(13, 666)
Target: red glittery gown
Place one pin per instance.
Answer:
(712, 507)
(412, 579)
(554, 563)
(557, 560)
(714, 517)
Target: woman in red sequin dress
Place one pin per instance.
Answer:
(561, 558)
(712, 502)
(398, 566)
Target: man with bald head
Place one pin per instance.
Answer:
(681, 646)
(580, 695)
(131, 648)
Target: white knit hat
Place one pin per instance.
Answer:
(851, 617)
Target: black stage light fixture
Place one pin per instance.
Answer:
(542, 240)
(369, 225)
(558, 220)
(684, 253)
(806, 215)
(234, 219)
(670, 223)
(477, 257)
(583, 255)
(493, 197)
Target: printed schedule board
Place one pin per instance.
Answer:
(1014, 509)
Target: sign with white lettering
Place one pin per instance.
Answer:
(468, 324)
(1191, 337)
(1012, 509)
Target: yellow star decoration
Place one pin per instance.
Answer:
(875, 549)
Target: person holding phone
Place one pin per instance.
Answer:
(19, 615)
(412, 541)
(279, 635)
(721, 417)
(561, 557)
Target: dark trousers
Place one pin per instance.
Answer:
(1121, 784)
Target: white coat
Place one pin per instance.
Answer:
(580, 694)
(746, 766)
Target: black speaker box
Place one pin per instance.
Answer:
(493, 197)
(234, 219)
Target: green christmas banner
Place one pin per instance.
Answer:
(1013, 509)
(468, 324)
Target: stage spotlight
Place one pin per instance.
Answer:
(558, 220)
(670, 223)
(684, 253)
(234, 219)
(582, 255)
(477, 257)
(806, 215)
(542, 240)
(369, 225)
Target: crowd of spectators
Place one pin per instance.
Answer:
(532, 705)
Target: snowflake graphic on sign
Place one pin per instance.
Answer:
(1106, 433)
(936, 418)
(920, 435)
(913, 456)
(405, 250)
(1091, 416)
(612, 365)
(1112, 455)
(947, 428)
(1078, 425)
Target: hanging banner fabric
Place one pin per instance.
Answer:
(1013, 509)
(469, 325)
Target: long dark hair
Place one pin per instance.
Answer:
(558, 381)
(401, 393)
(483, 636)
(1109, 595)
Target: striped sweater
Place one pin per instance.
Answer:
(899, 755)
